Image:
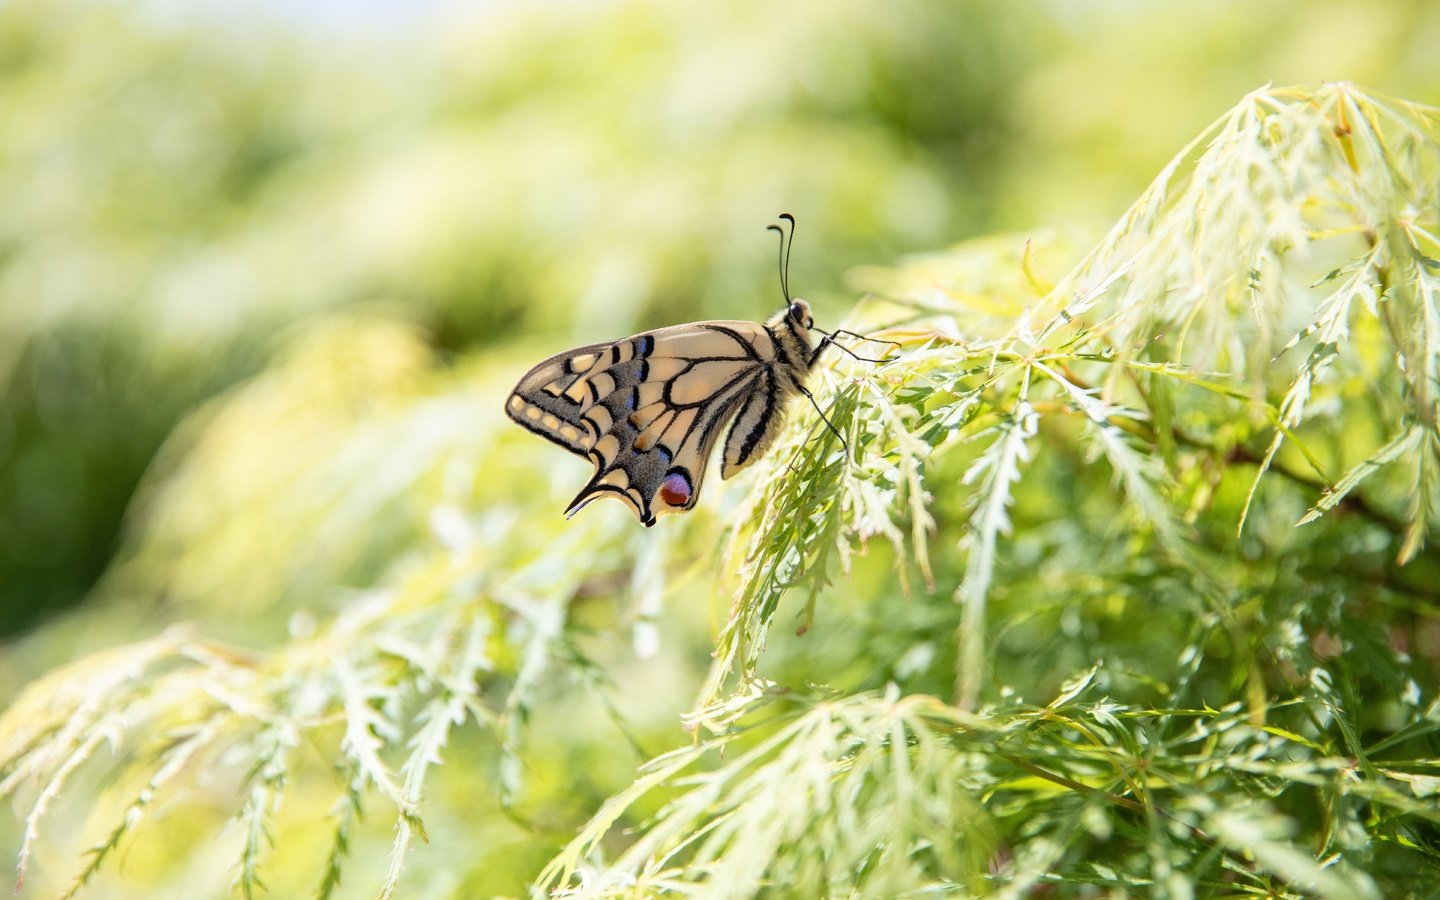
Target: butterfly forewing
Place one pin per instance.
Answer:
(553, 398)
(648, 410)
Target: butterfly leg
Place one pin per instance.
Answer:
(866, 337)
(828, 424)
(829, 341)
(826, 341)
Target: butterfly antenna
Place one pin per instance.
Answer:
(789, 245)
(784, 257)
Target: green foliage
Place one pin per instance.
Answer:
(1138, 557)
(1252, 338)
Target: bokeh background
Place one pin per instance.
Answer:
(187, 183)
(313, 207)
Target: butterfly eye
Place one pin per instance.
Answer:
(797, 312)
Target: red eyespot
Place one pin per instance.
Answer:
(675, 489)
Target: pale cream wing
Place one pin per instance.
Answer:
(646, 410)
(553, 397)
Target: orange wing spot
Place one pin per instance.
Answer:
(654, 430)
(675, 489)
(645, 416)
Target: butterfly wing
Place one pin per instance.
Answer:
(648, 410)
(756, 424)
(553, 397)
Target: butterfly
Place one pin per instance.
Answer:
(648, 410)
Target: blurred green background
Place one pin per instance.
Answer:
(261, 265)
(187, 184)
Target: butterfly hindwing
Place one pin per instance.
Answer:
(648, 410)
(755, 426)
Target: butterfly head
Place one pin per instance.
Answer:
(790, 328)
(799, 313)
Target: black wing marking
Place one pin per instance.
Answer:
(647, 411)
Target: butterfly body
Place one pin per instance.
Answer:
(649, 409)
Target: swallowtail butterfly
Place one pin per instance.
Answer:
(648, 410)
